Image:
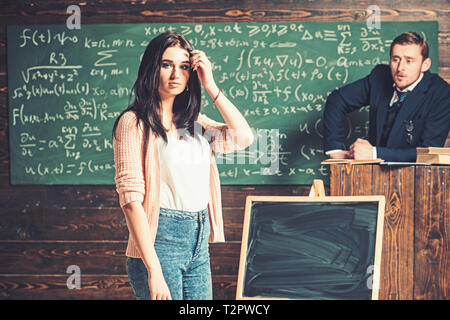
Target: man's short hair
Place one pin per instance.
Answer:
(411, 38)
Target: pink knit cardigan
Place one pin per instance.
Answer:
(138, 178)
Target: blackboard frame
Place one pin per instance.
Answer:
(304, 199)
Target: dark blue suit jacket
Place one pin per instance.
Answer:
(427, 107)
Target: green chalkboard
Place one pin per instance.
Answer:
(66, 88)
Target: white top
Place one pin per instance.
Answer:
(185, 168)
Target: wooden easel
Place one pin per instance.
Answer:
(317, 189)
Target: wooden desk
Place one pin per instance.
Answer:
(415, 261)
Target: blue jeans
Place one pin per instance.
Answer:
(183, 251)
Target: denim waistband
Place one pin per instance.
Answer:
(181, 214)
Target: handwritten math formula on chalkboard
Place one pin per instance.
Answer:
(67, 87)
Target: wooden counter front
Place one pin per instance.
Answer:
(415, 262)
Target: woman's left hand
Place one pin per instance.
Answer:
(202, 65)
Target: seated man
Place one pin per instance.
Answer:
(409, 107)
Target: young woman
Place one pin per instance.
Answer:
(166, 174)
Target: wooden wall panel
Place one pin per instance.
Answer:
(54, 287)
(93, 257)
(43, 229)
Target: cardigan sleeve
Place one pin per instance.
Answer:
(128, 159)
(221, 137)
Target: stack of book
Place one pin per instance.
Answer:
(433, 155)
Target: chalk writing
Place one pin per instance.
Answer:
(67, 87)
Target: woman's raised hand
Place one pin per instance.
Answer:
(202, 65)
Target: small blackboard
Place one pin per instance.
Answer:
(311, 248)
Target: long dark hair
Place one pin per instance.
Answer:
(147, 102)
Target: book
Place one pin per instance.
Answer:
(403, 164)
(433, 150)
(434, 158)
(350, 161)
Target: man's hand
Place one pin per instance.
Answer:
(361, 150)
